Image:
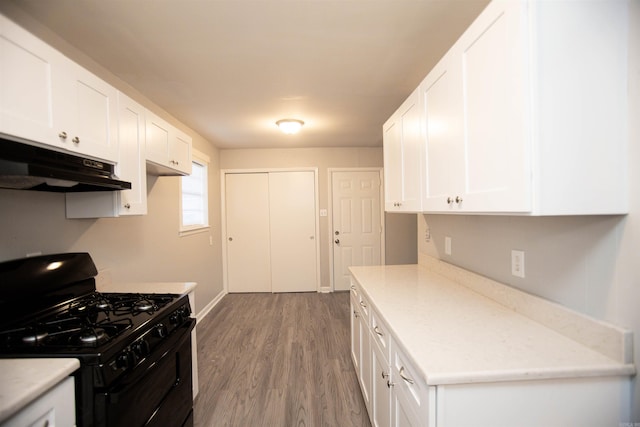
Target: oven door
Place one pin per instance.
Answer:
(160, 395)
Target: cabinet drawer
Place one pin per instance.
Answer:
(380, 334)
(409, 385)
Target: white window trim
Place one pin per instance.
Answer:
(202, 159)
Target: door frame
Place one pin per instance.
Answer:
(330, 172)
(223, 215)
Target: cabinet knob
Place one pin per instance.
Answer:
(337, 241)
(458, 199)
(231, 239)
(127, 206)
(449, 200)
(76, 140)
(62, 135)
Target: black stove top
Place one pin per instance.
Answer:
(84, 323)
(49, 307)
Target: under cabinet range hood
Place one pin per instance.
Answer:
(27, 167)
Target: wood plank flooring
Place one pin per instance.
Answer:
(278, 360)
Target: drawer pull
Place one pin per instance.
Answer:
(378, 331)
(404, 377)
(363, 304)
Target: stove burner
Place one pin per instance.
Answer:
(92, 336)
(102, 304)
(143, 305)
(34, 337)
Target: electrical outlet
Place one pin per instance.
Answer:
(447, 245)
(517, 263)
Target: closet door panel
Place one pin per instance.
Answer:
(293, 231)
(247, 223)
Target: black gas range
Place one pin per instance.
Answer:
(134, 349)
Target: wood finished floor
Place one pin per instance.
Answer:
(278, 360)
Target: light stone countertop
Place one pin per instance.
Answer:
(456, 335)
(24, 380)
(180, 288)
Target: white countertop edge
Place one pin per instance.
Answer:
(603, 337)
(530, 375)
(179, 288)
(24, 380)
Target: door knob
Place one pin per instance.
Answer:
(337, 241)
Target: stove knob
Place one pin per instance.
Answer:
(123, 361)
(177, 318)
(160, 330)
(141, 348)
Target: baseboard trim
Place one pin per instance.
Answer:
(207, 309)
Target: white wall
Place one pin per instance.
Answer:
(591, 264)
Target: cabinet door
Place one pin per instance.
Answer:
(26, 85)
(355, 334)
(88, 112)
(168, 149)
(403, 146)
(402, 416)
(180, 152)
(443, 104)
(132, 156)
(365, 363)
(497, 158)
(380, 390)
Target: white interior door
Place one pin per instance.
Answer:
(292, 212)
(247, 223)
(357, 223)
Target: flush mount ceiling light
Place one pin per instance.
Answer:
(290, 126)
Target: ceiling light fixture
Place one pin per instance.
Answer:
(290, 126)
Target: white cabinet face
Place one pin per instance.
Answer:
(403, 145)
(26, 85)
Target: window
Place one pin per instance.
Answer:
(194, 200)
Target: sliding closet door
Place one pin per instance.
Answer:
(292, 213)
(247, 222)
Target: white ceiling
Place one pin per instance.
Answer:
(230, 68)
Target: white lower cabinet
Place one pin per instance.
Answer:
(380, 388)
(361, 345)
(54, 408)
(396, 393)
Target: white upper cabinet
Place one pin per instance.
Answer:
(88, 110)
(403, 141)
(49, 99)
(26, 85)
(168, 148)
(526, 113)
(131, 167)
